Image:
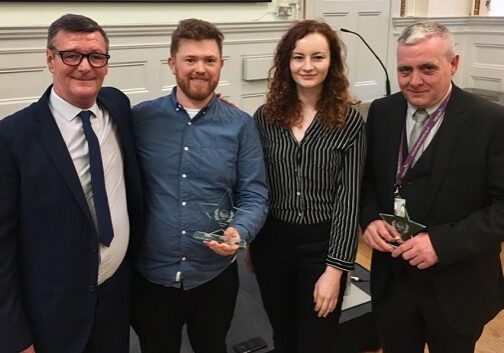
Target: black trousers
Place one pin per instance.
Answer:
(111, 328)
(288, 260)
(159, 313)
(408, 316)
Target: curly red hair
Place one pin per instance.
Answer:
(283, 106)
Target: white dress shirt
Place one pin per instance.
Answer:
(70, 126)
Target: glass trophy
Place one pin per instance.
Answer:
(403, 224)
(217, 217)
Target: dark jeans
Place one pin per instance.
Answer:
(159, 313)
(408, 316)
(288, 260)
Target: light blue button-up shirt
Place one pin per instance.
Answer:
(187, 162)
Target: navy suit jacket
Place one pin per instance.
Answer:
(464, 205)
(48, 243)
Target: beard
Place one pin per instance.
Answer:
(197, 90)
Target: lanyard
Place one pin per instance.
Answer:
(403, 167)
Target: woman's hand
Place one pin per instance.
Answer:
(30, 349)
(247, 259)
(326, 291)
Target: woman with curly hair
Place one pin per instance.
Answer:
(314, 147)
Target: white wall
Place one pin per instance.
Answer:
(438, 8)
(140, 39)
(371, 20)
(138, 63)
(479, 40)
(43, 13)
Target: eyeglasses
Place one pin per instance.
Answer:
(74, 58)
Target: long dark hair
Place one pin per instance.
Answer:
(283, 106)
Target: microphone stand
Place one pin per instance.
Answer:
(387, 81)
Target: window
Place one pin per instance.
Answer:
(495, 7)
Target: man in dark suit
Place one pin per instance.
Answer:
(70, 198)
(442, 285)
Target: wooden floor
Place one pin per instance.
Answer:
(492, 339)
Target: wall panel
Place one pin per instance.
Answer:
(138, 63)
(480, 43)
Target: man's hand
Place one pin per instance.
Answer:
(418, 251)
(228, 246)
(379, 234)
(326, 291)
(30, 349)
(225, 100)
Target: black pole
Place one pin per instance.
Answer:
(387, 81)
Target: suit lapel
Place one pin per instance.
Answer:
(395, 131)
(106, 103)
(448, 136)
(48, 133)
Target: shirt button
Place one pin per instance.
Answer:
(184, 258)
(298, 193)
(184, 176)
(184, 232)
(184, 203)
(189, 123)
(186, 148)
(91, 288)
(300, 214)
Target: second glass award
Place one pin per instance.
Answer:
(403, 224)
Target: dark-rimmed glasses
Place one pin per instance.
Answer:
(74, 58)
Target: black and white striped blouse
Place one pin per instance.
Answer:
(318, 179)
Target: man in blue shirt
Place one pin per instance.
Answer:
(194, 149)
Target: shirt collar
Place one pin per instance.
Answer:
(177, 106)
(67, 110)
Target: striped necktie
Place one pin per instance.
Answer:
(420, 116)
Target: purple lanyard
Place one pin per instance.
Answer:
(403, 167)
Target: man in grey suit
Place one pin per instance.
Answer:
(435, 156)
(70, 204)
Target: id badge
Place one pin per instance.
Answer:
(399, 207)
